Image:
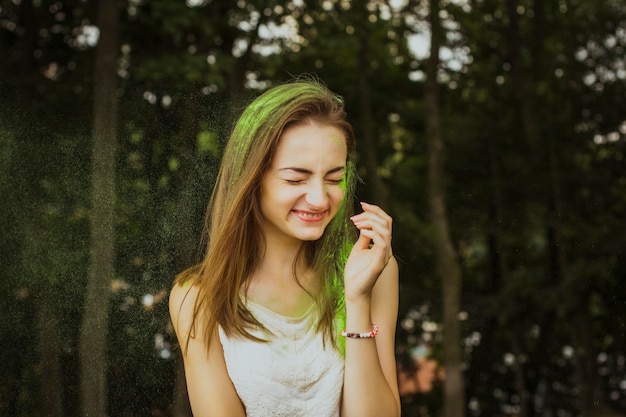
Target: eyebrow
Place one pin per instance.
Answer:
(309, 172)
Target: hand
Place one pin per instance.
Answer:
(370, 253)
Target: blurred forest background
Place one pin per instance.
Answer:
(113, 116)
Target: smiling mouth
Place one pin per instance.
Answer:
(310, 217)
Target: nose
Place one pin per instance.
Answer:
(316, 195)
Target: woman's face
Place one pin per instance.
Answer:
(303, 189)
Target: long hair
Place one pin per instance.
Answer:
(235, 242)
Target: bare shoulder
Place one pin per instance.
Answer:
(182, 303)
(205, 368)
(182, 295)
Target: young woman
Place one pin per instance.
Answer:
(290, 313)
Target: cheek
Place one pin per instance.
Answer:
(284, 196)
(336, 194)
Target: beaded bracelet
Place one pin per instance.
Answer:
(371, 333)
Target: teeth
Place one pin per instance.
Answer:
(311, 215)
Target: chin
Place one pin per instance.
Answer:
(310, 236)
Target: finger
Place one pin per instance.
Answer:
(379, 216)
(365, 217)
(363, 241)
(373, 213)
(382, 237)
(371, 222)
(376, 210)
(380, 243)
(376, 225)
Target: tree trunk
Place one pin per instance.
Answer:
(28, 42)
(49, 350)
(500, 275)
(580, 328)
(186, 244)
(378, 189)
(519, 78)
(447, 260)
(94, 327)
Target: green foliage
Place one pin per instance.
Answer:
(537, 221)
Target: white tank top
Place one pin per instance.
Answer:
(292, 375)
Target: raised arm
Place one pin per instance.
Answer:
(371, 283)
(211, 392)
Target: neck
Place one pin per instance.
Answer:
(280, 258)
(280, 286)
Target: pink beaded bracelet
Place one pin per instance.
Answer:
(371, 333)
